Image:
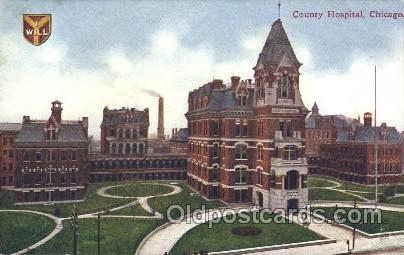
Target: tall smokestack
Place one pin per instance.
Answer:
(160, 124)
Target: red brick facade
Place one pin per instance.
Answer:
(8, 133)
(246, 139)
(51, 159)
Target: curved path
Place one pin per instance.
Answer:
(101, 192)
(57, 229)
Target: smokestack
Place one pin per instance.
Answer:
(160, 124)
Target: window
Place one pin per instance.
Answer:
(241, 175)
(141, 148)
(238, 131)
(242, 100)
(291, 180)
(74, 155)
(215, 150)
(49, 177)
(245, 128)
(215, 127)
(290, 152)
(62, 155)
(10, 167)
(4, 141)
(38, 156)
(259, 176)
(38, 178)
(73, 178)
(113, 149)
(215, 173)
(286, 128)
(62, 178)
(240, 195)
(120, 148)
(127, 148)
(241, 151)
(134, 148)
(11, 154)
(26, 156)
(284, 83)
(127, 133)
(260, 152)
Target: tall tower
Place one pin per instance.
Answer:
(160, 124)
(281, 112)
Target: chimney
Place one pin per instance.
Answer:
(172, 132)
(85, 124)
(235, 80)
(57, 111)
(367, 119)
(26, 119)
(160, 124)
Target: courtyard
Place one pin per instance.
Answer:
(131, 211)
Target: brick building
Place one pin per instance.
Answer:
(127, 153)
(51, 159)
(8, 133)
(353, 159)
(124, 131)
(325, 129)
(179, 140)
(246, 139)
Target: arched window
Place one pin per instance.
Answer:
(290, 152)
(127, 133)
(291, 180)
(215, 150)
(134, 148)
(284, 84)
(241, 151)
(113, 148)
(120, 148)
(141, 148)
(259, 176)
(135, 133)
(215, 173)
(127, 148)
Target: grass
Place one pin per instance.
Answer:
(20, 230)
(332, 195)
(161, 204)
(391, 221)
(139, 190)
(118, 236)
(221, 238)
(93, 203)
(395, 200)
(320, 183)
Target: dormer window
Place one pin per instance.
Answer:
(51, 133)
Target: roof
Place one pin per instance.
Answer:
(11, 127)
(33, 132)
(116, 117)
(368, 134)
(338, 121)
(181, 135)
(276, 45)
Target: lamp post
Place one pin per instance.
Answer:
(74, 222)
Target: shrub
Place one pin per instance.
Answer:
(246, 231)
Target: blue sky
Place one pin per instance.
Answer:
(105, 52)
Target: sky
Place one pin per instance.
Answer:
(106, 53)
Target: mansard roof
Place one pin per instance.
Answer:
(119, 116)
(33, 132)
(276, 46)
(10, 127)
(368, 134)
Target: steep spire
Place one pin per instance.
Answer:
(314, 109)
(276, 46)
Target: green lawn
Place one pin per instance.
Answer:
(333, 195)
(395, 200)
(118, 236)
(20, 230)
(368, 195)
(320, 183)
(391, 221)
(93, 203)
(221, 238)
(183, 199)
(139, 190)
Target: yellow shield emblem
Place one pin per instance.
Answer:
(37, 28)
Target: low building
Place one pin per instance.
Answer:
(8, 133)
(179, 140)
(353, 159)
(51, 159)
(325, 129)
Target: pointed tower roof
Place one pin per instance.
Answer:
(276, 46)
(314, 109)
